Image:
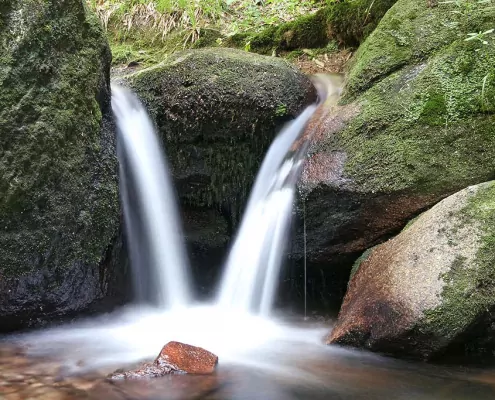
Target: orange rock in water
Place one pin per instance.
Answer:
(187, 358)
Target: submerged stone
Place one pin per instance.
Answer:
(429, 291)
(58, 184)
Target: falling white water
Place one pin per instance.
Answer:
(253, 265)
(236, 327)
(151, 217)
(250, 278)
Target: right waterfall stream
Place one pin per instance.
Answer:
(251, 274)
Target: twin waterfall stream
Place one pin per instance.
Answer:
(239, 324)
(154, 234)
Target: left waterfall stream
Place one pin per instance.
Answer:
(152, 226)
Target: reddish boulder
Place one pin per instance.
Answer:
(430, 291)
(187, 358)
(175, 358)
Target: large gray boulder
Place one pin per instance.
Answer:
(58, 183)
(432, 287)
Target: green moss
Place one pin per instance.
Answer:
(427, 127)
(149, 51)
(306, 32)
(409, 33)
(434, 110)
(351, 21)
(208, 38)
(347, 22)
(53, 86)
(469, 290)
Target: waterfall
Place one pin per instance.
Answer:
(251, 273)
(157, 252)
(250, 278)
(235, 326)
(152, 227)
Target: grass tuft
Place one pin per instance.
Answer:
(158, 18)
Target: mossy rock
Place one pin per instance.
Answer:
(351, 21)
(430, 289)
(347, 22)
(58, 184)
(217, 111)
(415, 125)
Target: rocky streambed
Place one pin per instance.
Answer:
(324, 375)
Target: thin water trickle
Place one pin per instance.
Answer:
(305, 264)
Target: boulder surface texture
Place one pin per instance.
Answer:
(58, 183)
(431, 288)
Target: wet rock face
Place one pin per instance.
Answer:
(218, 111)
(58, 181)
(431, 288)
(175, 358)
(412, 128)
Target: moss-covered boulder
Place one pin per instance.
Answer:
(432, 287)
(415, 125)
(218, 110)
(58, 185)
(347, 22)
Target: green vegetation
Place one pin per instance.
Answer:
(346, 22)
(146, 30)
(228, 16)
